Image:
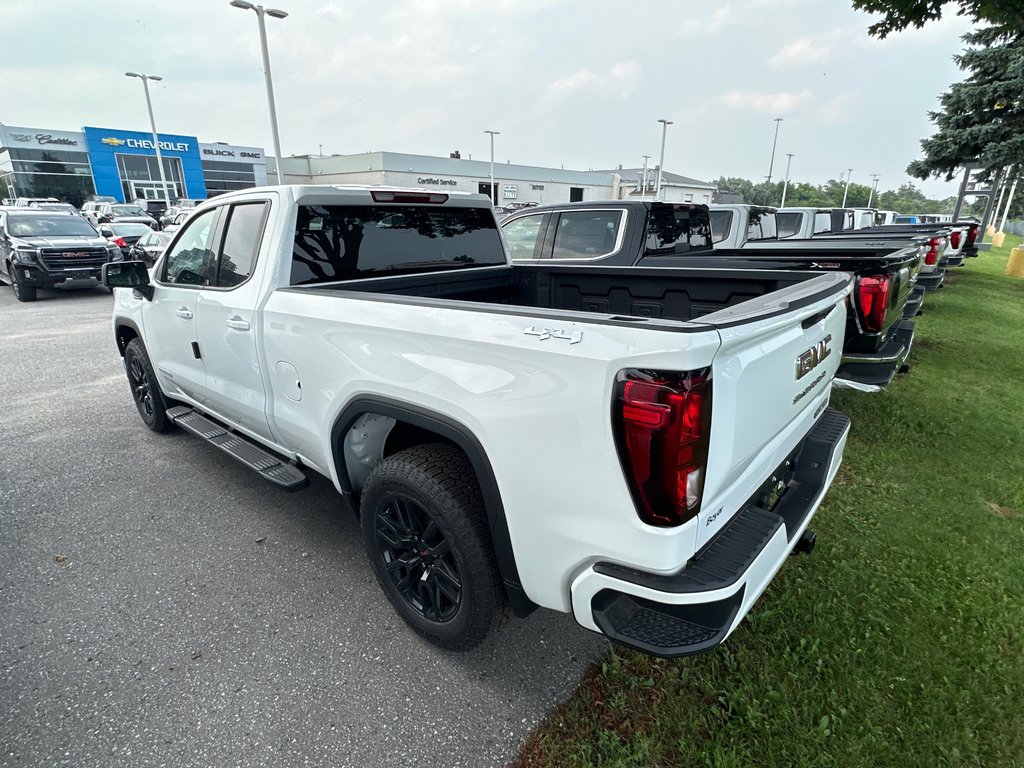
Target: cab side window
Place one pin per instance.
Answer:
(241, 243)
(586, 234)
(521, 236)
(191, 261)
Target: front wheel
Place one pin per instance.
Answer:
(145, 389)
(22, 292)
(425, 532)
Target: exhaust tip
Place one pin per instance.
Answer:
(805, 544)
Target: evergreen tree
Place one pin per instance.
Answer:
(1006, 15)
(982, 117)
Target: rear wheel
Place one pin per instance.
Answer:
(425, 532)
(22, 292)
(145, 389)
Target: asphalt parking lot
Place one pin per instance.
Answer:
(163, 606)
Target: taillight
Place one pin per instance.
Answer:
(954, 238)
(972, 233)
(662, 422)
(120, 242)
(873, 294)
(932, 256)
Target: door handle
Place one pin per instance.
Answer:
(185, 312)
(238, 323)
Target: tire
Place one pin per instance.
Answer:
(22, 292)
(146, 392)
(426, 534)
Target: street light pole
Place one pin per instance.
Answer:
(775, 141)
(277, 14)
(874, 188)
(494, 200)
(849, 173)
(785, 185)
(643, 192)
(661, 163)
(152, 122)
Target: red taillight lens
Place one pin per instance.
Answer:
(662, 423)
(873, 293)
(954, 238)
(932, 256)
(120, 242)
(972, 233)
(434, 198)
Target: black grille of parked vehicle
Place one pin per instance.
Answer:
(60, 258)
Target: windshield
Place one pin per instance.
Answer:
(56, 225)
(130, 230)
(127, 210)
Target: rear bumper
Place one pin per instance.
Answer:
(931, 281)
(956, 260)
(914, 302)
(699, 606)
(871, 372)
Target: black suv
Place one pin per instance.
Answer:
(42, 249)
(154, 208)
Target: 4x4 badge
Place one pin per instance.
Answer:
(574, 337)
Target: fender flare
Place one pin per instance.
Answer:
(460, 435)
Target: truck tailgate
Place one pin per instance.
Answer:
(771, 381)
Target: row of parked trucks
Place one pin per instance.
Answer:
(618, 410)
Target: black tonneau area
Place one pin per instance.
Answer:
(630, 292)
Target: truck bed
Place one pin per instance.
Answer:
(623, 294)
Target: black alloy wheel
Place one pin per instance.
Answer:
(145, 388)
(22, 292)
(426, 534)
(418, 558)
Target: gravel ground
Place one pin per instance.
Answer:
(161, 605)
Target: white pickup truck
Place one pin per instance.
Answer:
(641, 447)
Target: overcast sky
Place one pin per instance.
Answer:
(577, 83)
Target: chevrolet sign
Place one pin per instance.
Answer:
(112, 142)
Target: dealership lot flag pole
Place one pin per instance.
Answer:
(152, 122)
(661, 163)
(494, 197)
(277, 14)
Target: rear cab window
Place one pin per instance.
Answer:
(788, 223)
(349, 242)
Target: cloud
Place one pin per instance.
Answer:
(801, 52)
(702, 25)
(618, 82)
(841, 107)
(757, 101)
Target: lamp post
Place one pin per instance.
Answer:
(643, 192)
(874, 187)
(661, 163)
(493, 196)
(785, 185)
(775, 141)
(849, 173)
(152, 122)
(277, 14)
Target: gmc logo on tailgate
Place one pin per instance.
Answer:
(809, 360)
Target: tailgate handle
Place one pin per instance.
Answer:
(816, 318)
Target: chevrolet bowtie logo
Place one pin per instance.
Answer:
(112, 142)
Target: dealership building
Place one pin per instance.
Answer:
(71, 165)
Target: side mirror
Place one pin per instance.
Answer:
(128, 274)
(106, 231)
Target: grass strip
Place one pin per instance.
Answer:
(899, 642)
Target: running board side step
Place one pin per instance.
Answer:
(269, 466)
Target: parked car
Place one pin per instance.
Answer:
(153, 208)
(43, 249)
(170, 213)
(149, 247)
(631, 446)
(108, 213)
(633, 233)
(179, 218)
(60, 207)
(125, 235)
